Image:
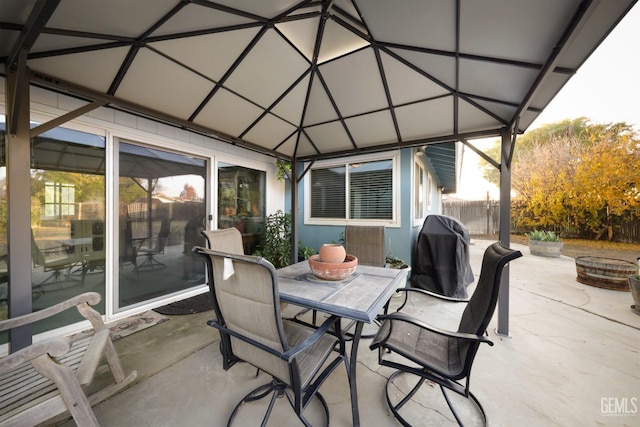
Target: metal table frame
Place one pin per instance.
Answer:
(360, 297)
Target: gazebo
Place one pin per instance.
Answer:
(298, 80)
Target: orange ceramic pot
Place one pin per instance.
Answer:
(332, 253)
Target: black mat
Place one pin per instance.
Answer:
(192, 305)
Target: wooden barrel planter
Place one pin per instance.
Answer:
(608, 273)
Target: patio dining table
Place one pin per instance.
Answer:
(359, 297)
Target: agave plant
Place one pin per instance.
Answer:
(544, 236)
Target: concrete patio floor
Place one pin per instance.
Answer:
(572, 359)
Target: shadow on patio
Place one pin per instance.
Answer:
(573, 358)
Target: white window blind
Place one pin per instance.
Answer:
(328, 193)
(369, 186)
(371, 190)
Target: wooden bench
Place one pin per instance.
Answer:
(50, 379)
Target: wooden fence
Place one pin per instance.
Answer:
(482, 217)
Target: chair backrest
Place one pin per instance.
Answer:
(127, 248)
(482, 304)
(37, 257)
(246, 300)
(366, 243)
(227, 240)
(163, 235)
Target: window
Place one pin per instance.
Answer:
(419, 192)
(241, 202)
(59, 199)
(429, 192)
(422, 192)
(357, 190)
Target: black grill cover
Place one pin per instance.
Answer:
(441, 257)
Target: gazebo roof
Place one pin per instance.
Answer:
(313, 79)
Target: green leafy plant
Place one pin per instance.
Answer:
(395, 262)
(276, 244)
(544, 236)
(305, 252)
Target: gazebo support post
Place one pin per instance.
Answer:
(504, 233)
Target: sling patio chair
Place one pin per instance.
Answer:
(440, 356)
(366, 243)
(246, 301)
(156, 247)
(58, 261)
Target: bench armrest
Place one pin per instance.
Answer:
(54, 347)
(82, 302)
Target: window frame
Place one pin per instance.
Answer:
(394, 156)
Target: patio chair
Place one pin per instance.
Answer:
(366, 243)
(226, 240)
(58, 261)
(443, 357)
(156, 247)
(246, 302)
(128, 249)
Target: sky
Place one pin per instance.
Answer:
(606, 89)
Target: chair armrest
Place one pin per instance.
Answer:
(432, 294)
(55, 347)
(311, 339)
(402, 317)
(88, 298)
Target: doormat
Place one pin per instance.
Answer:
(136, 323)
(192, 305)
(129, 325)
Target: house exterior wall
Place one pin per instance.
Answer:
(401, 236)
(46, 105)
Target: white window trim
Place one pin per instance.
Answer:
(417, 164)
(394, 156)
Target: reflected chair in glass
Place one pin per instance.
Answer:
(156, 247)
(441, 356)
(58, 261)
(246, 301)
(128, 249)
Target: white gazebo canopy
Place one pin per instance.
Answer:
(302, 79)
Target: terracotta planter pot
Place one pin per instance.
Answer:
(332, 270)
(332, 253)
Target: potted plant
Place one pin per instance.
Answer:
(544, 243)
(276, 243)
(634, 285)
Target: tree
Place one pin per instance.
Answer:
(574, 174)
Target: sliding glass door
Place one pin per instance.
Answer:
(67, 219)
(162, 210)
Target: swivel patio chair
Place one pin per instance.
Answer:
(437, 355)
(58, 261)
(246, 302)
(156, 248)
(226, 240)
